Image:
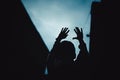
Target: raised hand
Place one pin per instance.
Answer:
(63, 34)
(79, 34)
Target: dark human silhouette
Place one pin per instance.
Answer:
(61, 63)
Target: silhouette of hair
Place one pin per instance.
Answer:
(66, 51)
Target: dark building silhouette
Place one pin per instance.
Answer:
(97, 37)
(27, 53)
(102, 44)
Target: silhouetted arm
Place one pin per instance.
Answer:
(83, 49)
(63, 34)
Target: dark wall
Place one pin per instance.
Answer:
(102, 38)
(27, 53)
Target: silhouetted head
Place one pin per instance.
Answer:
(66, 51)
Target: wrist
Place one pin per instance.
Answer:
(81, 41)
(58, 39)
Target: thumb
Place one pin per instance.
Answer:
(74, 38)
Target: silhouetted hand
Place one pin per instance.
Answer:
(63, 34)
(79, 34)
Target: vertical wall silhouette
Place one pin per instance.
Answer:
(103, 20)
(27, 51)
(97, 37)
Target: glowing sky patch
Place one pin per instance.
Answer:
(49, 16)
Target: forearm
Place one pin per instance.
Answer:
(52, 54)
(83, 51)
(83, 48)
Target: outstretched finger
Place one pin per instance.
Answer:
(78, 31)
(67, 31)
(81, 30)
(74, 38)
(75, 31)
(62, 29)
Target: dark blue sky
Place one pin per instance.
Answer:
(49, 16)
